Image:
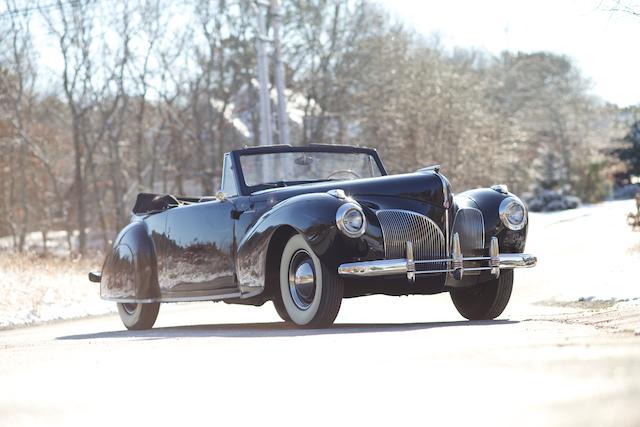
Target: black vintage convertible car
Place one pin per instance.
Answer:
(307, 226)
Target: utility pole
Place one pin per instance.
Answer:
(263, 76)
(283, 119)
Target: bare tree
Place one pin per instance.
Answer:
(151, 93)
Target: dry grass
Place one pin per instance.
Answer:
(36, 289)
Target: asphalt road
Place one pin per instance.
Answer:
(387, 361)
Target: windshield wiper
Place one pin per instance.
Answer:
(275, 184)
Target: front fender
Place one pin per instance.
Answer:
(488, 202)
(311, 215)
(130, 270)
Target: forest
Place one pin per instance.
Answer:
(100, 100)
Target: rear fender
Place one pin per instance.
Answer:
(130, 270)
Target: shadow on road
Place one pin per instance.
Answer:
(275, 329)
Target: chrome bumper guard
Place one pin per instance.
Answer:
(455, 265)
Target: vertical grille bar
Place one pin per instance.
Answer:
(469, 224)
(400, 226)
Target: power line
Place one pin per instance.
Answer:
(29, 9)
(72, 26)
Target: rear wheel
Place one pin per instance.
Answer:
(280, 308)
(310, 292)
(138, 316)
(485, 301)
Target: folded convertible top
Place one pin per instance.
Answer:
(148, 203)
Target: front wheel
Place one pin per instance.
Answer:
(281, 309)
(138, 316)
(310, 292)
(485, 301)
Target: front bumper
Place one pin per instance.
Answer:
(385, 267)
(454, 265)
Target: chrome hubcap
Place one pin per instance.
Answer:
(130, 308)
(302, 279)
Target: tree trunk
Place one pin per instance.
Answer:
(44, 242)
(79, 187)
(24, 224)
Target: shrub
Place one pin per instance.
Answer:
(552, 200)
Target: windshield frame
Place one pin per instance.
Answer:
(313, 148)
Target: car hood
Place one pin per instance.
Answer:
(423, 186)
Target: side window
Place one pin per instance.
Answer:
(228, 186)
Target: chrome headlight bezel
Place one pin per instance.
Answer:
(344, 225)
(504, 212)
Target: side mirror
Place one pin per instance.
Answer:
(220, 196)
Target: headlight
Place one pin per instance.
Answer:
(350, 220)
(513, 213)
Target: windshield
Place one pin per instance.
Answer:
(282, 169)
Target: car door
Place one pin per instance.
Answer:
(199, 251)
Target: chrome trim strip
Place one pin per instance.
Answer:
(131, 300)
(177, 299)
(252, 293)
(398, 266)
(445, 191)
(446, 230)
(446, 204)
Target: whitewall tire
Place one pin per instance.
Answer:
(310, 292)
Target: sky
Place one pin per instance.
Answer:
(604, 45)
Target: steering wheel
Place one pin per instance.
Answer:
(343, 171)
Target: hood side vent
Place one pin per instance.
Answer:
(469, 224)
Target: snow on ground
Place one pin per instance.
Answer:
(36, 290)
(586, 254)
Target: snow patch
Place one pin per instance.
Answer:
(36, 290)
(586, 254)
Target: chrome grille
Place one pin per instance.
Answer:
(469, 224)
(400, 226)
